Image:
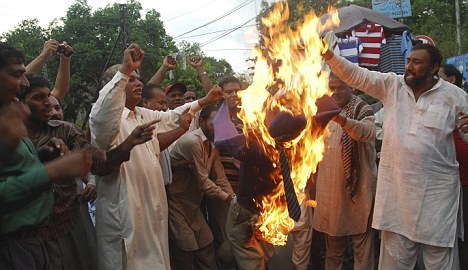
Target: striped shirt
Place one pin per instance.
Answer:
(66, 208)
(231, 164)
(391, 57)
(372, 36)
(350, 48)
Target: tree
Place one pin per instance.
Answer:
(216, 69)
(93, 35)
(29, 37)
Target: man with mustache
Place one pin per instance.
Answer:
(132, 213)
(69, 237)
(418, 186)
(345, 184)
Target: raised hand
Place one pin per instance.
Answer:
(50, 47)
(215, 94)
(66, 52)
(133, 57)
(169, 62)
(196, 61)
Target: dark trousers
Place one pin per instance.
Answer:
(463, 246)
(24, 254)
(202, 259)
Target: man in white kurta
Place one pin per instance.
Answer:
(339, 213)
(131, 208)
(418, 187)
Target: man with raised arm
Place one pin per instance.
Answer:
(62, 82)
(132, 213)
(26, 195)
(418, 186)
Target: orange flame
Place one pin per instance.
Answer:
(292, 63)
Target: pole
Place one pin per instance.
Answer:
(457, 16)
(121, 34)
(123, 25)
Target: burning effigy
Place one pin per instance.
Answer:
(284, 113)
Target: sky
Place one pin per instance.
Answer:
(178, 16)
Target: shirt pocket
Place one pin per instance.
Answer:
(436, 117)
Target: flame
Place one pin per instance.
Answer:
(291, 63)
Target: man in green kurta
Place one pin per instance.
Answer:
(26, 196)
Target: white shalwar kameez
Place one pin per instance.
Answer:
(418, 185)
(131, 208)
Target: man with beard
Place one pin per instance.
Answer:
(418, 186)
(190, 236)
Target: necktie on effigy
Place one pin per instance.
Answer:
(283, 127)
(294, 208)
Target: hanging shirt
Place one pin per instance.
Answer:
(418, 184)
(350, 48)
(372, 36)
(406, 45)
(131, 208)
(391, 57)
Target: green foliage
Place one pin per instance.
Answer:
(436, 19)
(92, 36)
(216, 69)
(29, 37)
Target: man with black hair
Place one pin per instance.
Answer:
(190, 236)
(56, 113)
(69, 237)
(418, 186)
(153, 98)
(62, 82)
(451, 74)
(26, 196)
(345, 183)
(132, 213)
(190, 96)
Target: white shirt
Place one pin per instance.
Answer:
(131, 206)
(418, 185)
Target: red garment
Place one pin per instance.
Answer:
(462, 157)
(372, 37)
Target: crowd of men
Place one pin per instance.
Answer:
(168, 198)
